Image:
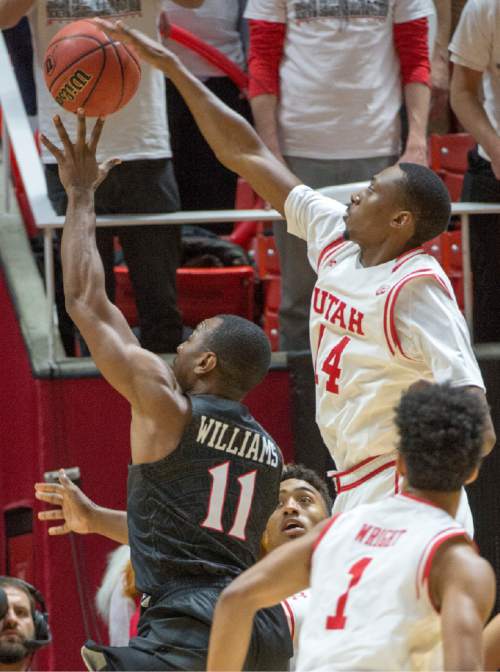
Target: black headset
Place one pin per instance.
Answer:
(40, 616)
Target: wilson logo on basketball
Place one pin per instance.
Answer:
(49, 65)
(75, 84)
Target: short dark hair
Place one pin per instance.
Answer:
(426, 197)
(441, 435)
(302, 473)
(243, 352)
(14, 582)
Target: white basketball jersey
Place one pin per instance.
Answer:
(361, 367)
(370, 607)
(295, 608)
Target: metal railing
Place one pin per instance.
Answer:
(18, 133)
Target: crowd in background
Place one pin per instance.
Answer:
(335, 105)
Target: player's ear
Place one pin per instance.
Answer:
(400, 464)
(404, 220)
(206, 362)
(474, 474)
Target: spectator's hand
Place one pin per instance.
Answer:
(74, 507)
(78, 167)
(146, 48)
(415, 154)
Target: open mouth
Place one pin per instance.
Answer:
(292, 528)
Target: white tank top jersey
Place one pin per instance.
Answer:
(374, 331)
(370, 607)
(295, 608)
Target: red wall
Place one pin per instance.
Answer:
(46, 424)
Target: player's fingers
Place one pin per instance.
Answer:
(58, 529)
(63, 135)
(96, 135)
(48, 487)
(53, 514)
(65, 482)
(49, 498)
(55, 151)
(81, 129)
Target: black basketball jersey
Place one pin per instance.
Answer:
(203, 508)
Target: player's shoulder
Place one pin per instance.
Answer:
(418, 271)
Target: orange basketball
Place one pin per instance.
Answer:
(85, 68)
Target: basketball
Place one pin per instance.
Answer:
(85, 68)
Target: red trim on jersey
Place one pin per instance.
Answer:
(390, 330)
(422, 560)
(396, 482)
(329, 248)
(291, 617)
(338, 476)
(332, 520)
(407, 256)
(410, 495)
(334, 473)
(430, 557)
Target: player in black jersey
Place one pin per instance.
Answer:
(204, 476)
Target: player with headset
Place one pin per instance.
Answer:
(24, 626)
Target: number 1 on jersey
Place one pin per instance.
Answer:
(338, 620)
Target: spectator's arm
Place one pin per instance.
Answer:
(232, 139)
(412, 47)
(12, 11)
(467, 105)
(266, 50)
(440, 67)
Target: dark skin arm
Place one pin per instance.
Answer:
(280, 574)
(79, 513)
(159, 409)
(233, 140)
(462, 585)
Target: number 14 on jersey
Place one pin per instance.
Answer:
(331, 365)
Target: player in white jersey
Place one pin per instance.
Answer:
(383, 315)
(397, 584)
(303, 502)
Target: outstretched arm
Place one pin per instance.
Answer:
(280, 574)
(79, 513)
(463, 589)
(139, 375)
(232, 139)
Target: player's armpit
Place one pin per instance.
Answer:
(284, 572)
(462, 585)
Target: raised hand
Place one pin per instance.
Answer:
(74, 507)
(78, 167)
(146, 48)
